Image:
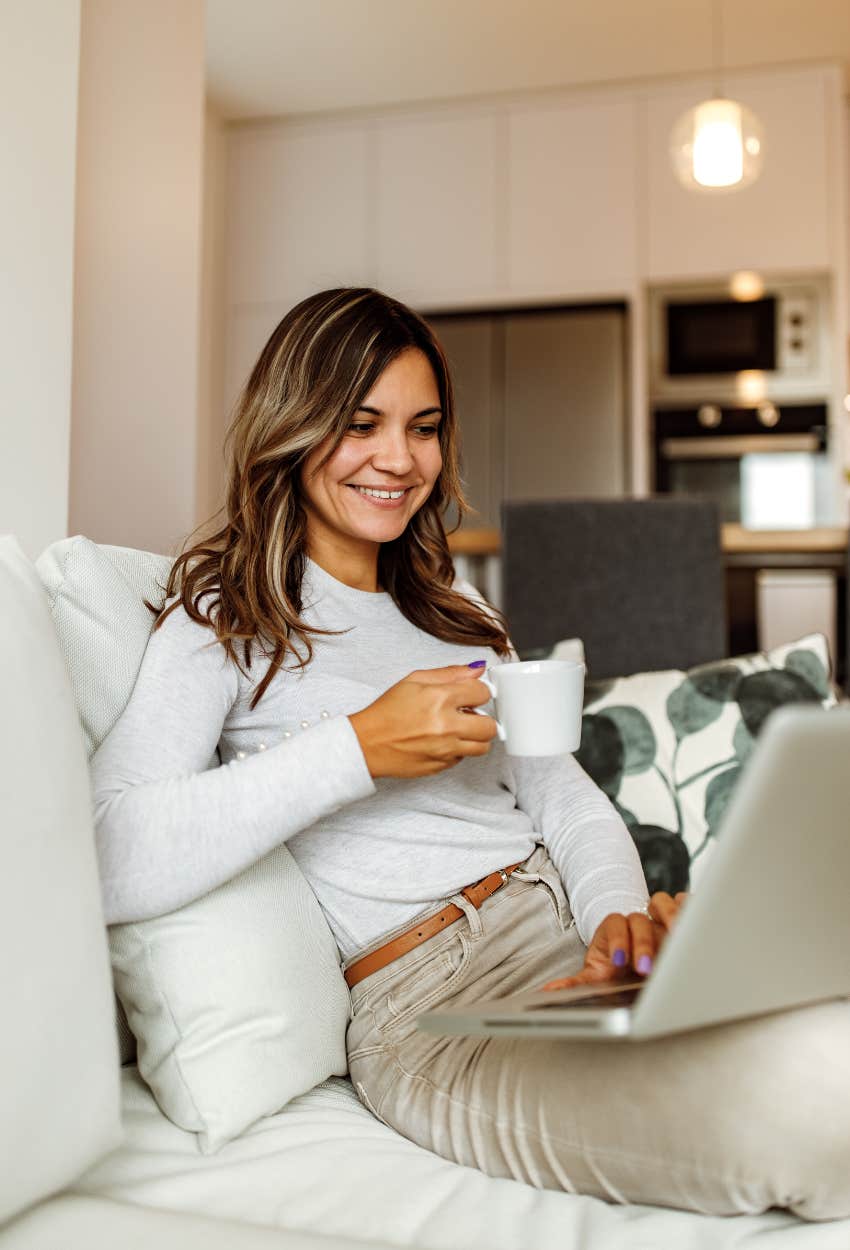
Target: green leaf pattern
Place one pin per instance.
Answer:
(619, 742)
(635, 733)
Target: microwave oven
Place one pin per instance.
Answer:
(706, 344)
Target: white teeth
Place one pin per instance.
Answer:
(380, 494)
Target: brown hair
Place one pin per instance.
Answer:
(317, 367)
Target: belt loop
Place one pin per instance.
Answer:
(471, 912)
(466, 903)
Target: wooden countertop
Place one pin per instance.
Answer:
(735, 540)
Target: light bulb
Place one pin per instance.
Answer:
(745, 285)
(717, 146)
(750, 385)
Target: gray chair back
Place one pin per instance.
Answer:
(640, 581)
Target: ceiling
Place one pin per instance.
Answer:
(270, 58)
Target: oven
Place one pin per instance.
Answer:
(766, 465)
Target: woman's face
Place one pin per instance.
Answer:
(391, 448)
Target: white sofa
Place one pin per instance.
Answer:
(89, 1159)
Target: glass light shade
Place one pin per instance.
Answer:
(717, 146)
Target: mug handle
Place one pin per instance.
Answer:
(500, 729)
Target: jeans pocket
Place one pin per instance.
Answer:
(426, 984)
(555, 893)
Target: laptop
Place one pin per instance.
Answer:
(767, 930)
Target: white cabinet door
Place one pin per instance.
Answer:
(436, 207)
(781, 221)
(297, 211)
(573, 198)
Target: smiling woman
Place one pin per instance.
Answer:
(364, 491)
(446, 869)
(343, 446)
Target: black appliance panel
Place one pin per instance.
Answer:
(721, 336)
(704, 471)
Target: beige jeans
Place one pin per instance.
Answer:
(726, 1120)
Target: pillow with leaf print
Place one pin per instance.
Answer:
(668, 748)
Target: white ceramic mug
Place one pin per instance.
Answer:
(538, 705)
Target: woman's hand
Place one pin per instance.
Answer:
(623, 945)
(419, 727)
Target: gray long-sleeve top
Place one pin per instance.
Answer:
(171, 824)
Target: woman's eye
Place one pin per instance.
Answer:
(360, 427)
(426, 430)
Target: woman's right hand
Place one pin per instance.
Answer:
(419, 727)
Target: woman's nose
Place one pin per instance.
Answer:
(393, 455)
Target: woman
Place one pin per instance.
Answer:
(446, 869)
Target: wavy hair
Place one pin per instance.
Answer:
(318, 366)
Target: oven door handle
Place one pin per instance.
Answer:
(731, 446)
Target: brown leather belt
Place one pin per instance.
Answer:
(427, 928)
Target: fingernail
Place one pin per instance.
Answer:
(619, 958)
(644, 964)
(477, 664)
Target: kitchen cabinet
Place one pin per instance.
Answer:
(472, 345)
(436, 204)
(782, 222)
(541, 401)
(298, 209)
(572, 196)
(565, 428)
(566, 195)
(791, 603)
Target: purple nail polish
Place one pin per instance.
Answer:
(477, 664)
(619, 958)
(644, 964)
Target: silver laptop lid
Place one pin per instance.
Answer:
(781, 869)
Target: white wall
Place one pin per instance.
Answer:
(135, 424)
(212, 409)
(39, 52)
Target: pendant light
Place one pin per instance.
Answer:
(718, 144)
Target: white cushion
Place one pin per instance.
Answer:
(95, 593)
(569, 649)
(237, 1000)
(59, 1105)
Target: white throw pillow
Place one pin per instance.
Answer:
(59, 1105)
(237, 1000)
(103, 629)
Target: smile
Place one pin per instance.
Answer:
(370, 492)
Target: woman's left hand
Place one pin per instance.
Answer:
(623, 945)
